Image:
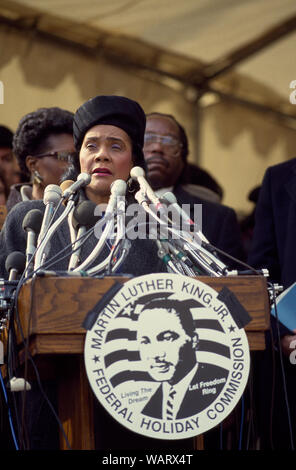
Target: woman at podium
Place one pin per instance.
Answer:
(108, 135)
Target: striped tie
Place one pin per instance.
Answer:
(170, 404)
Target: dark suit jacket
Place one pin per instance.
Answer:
(219, 224)
(194, 400)
(273, 245)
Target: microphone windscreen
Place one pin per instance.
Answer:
(118, 187)
(15, 260)
(52, 193)
(33, 220)
(83, 215)
(137, 171)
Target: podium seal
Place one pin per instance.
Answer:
(166, 358)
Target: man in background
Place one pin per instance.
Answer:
(166, 152)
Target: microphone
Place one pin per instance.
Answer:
(83, 219)
(198, 251)
(84, 215)
(117, 188)
(64, 186)
(15, 264)
(137, 173)
(121, 245)
(172, 200)
(72, 187)
(32, 224)
(43, 245)
(51, 198)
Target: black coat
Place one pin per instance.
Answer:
(273, 245)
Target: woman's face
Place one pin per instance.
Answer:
(106, 154)
(49, 167)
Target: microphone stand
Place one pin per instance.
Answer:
(209, 263)
(164, 255)
(121, 243)
(119, 224)
(76, 244)
(118, 189)
(40, 255)
(181, 259)
(99, 246)
(73, 234)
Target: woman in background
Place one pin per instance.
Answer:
(43, 145)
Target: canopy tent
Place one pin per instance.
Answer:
(223, 67)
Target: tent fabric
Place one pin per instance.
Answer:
(204, 30)
(62, 52)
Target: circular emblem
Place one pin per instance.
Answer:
(166, 358)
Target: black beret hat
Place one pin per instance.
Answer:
(113, 110)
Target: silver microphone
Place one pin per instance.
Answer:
(137, 173)
(82, 180)
(172, 200)
(43, 246)
(118, 189)
(51, 198)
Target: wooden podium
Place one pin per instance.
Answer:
(51, 312)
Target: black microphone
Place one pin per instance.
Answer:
(83, 180)
(32, 224)
(15, 264)
(84, 215)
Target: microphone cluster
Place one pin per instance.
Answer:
(65, 202)
(183, 251)
(181, 246)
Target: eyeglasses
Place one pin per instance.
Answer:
(61, 156)
(171, 143)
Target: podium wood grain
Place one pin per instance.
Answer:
(51, 311)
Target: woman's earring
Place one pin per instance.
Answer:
(37, 178)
